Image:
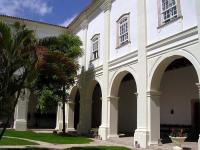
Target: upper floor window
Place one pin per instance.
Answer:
(169, 10)
(95, 46)
(123, 30)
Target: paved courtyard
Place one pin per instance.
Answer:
(125, 142)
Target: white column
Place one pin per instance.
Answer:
(113, 116)
(84, 26)
(103, 129)
(199, 143)
(142, 133)
(59, 116)
(59, 119)
(198, 86)
(70, 116)
(21, 110)
(198, 16)
(154, 116)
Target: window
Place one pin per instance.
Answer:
(123, 30)
(95, 46)
(169, 11)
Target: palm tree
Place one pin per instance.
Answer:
(17, 62)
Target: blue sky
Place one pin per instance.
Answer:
(59, 12)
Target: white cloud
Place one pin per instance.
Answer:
(68, 21)
(16, 7)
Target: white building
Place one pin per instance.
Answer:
(147, 68)
(146, 58)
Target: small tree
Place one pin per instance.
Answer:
(58, 69)
(17, 62)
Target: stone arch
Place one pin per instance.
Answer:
(96, 103)
(118, 76)
(123, 101)
(73, 108)
(161, 64)
(72, 92)
(155, 77)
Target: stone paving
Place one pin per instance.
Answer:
(128, 141)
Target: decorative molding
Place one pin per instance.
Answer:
(95, 4)
(124, 58)
(113, 98)
(174, 38)
(84, 24)
(172, 48)
(153, 93)
(106, 5)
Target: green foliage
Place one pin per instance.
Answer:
(17, 63)
(59, 68)
(47, 100)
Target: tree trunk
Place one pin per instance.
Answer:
(11, 113)
(63, 103)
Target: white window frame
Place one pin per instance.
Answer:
(95, 40)
(168, 11)
(123, 30)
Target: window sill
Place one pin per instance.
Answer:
(122, 45)
(94, 59)
(170, 22)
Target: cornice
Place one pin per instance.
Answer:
(85, 14)
(172, 48)
(124, 58)
(106, 5)
(84, 23)
(177, 37)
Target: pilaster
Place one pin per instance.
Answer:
(141, 133)
(199, 143)
(103, 129)
(153, 99)
(198, 86)
(70, 117)
(198, 16)
(84, 124)
(113, 116)
(21, 111)
(84, 26)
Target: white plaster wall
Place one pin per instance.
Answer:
(120, 7)
(178, 89)
(188, 10)
(127, 122)
(96, 26)
(79, 32)
(41, 30)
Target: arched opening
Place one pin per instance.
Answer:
(37, 119)
(123, 105)
(76, 109)
(127, 107)
(96, 106)
(177, 106)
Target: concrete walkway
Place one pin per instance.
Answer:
(125, 142)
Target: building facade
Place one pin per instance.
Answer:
(146, 69)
